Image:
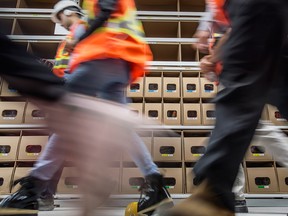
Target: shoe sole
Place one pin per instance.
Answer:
(154, 207)
(18, 212)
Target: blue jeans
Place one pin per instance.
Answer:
(106, 79)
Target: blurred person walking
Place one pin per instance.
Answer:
(118, 56)
(251, 58)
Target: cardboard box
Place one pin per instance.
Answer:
(5, 179)
(275, 116)
(31, 147)
(191, 114)
(167, 149)
(153, 113)
(194, 147)
(69, 181)
(262, 180)
(8, 91)
(208, 114)
(190, 87)
(190, 187)
(257, 152)
(171, 87)
(208, 89)
(136, 108)
(19, 173)
(136, 89)
(173, 179)
(33, 115)
(153, 87)
(11, 112)
(115, 176)
(8, 147)
(148, 143)
(172, 114)
(265, 115)
(132, 179)
(283, 179)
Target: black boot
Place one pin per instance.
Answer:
(26, 197)
(155, 195)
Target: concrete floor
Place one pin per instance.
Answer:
(69, 208)
(120, 212)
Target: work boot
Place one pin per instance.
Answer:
(202, 203)
(26, 197)
(155, 195)
(46, 202)
(241, 206)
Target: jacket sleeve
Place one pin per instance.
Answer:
(106, 8)
(206, 21)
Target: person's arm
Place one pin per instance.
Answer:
(106, 8)
(208, 63)
(217, 51)
(206, 21)
(203, 31)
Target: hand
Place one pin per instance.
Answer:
(202, 43)
(70, 44)
(206, 65)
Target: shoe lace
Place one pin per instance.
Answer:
(144, 189)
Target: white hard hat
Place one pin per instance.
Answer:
(62, 5)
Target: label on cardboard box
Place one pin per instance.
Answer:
(38, 118)
(258, 155)
(153, 117)
(72, 186)
(167, 155)
(170, 91)
(32, 154)
(197, 155)
(169, 187)
(3, 154)
(9, 118)
(263, 186)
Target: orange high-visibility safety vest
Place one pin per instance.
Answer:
(62, 58)
(121, 37)
(219, 13)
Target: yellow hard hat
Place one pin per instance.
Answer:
(131, 209)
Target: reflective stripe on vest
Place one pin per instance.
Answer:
(127, 23)
(62, 58)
